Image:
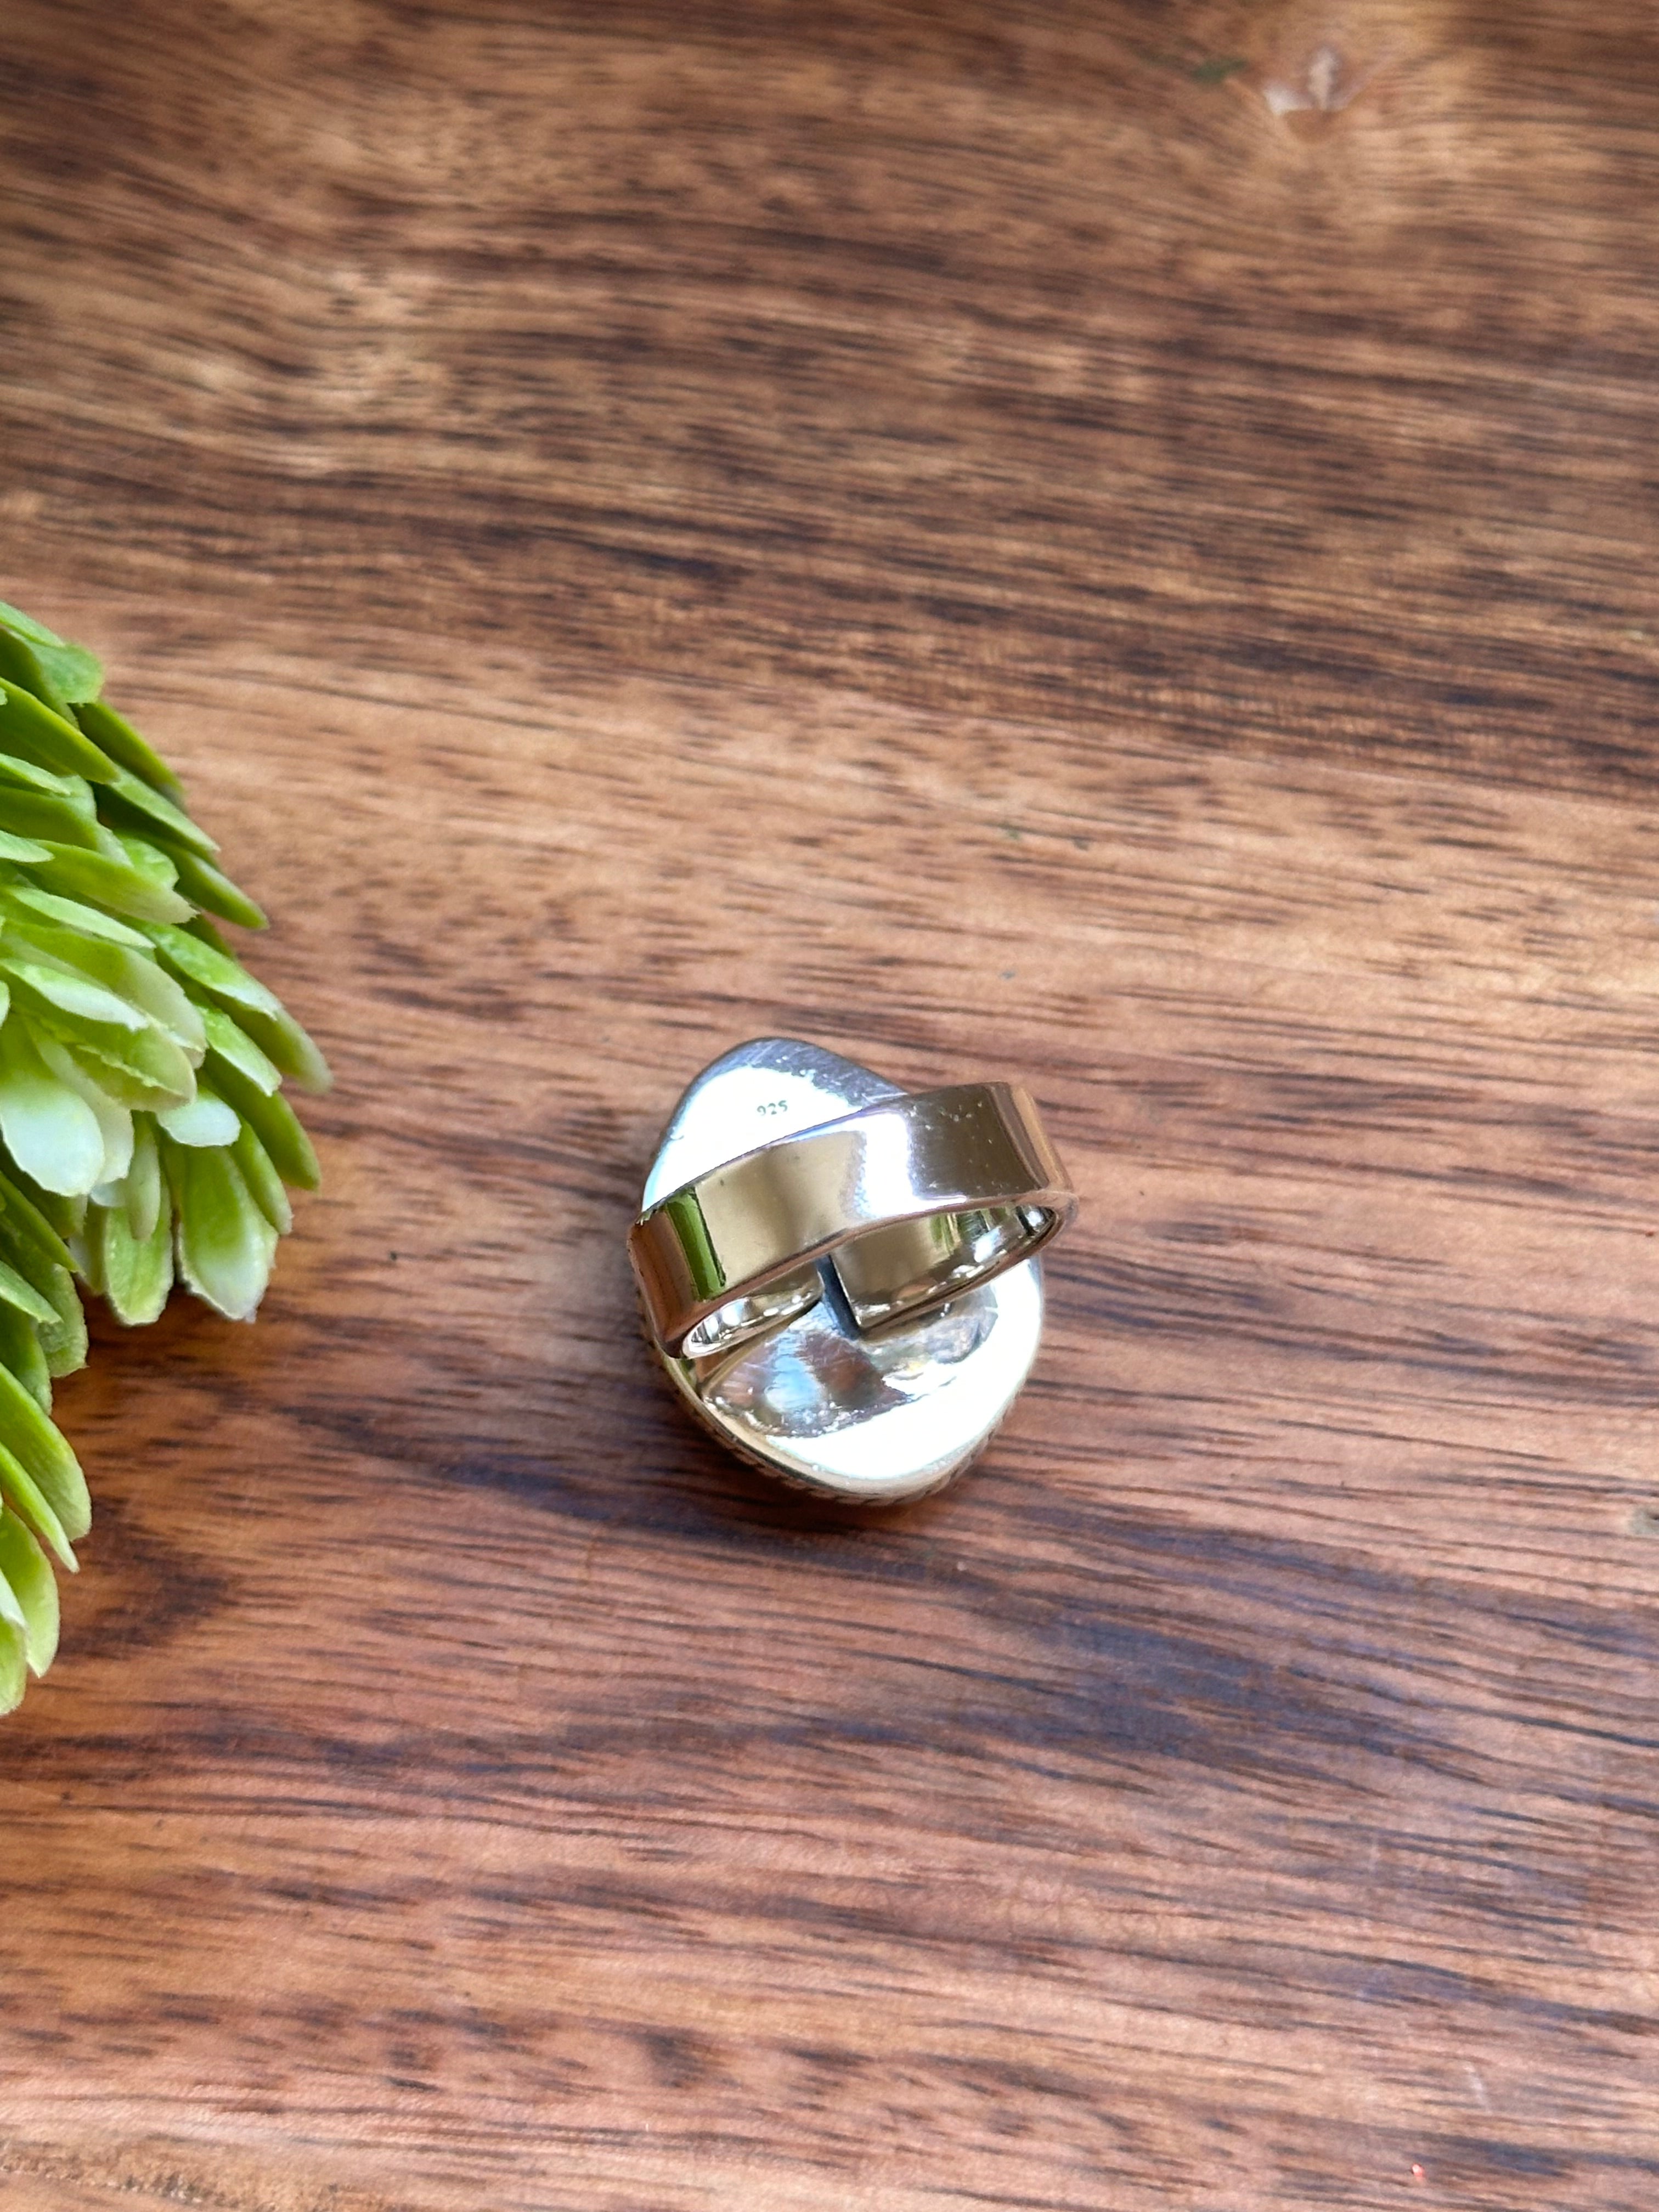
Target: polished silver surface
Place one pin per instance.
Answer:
(910, 1199)
(837, 1274)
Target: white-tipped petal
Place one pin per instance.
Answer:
(114, 1122)
(49, 1128)
(204, 1121)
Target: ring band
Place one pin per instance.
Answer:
(911, 1201)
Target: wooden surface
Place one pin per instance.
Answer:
(958, 531)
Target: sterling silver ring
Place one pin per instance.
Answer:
(840, 1276)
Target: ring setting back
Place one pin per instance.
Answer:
(840, 1277)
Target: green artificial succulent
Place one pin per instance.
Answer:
(143, 1128)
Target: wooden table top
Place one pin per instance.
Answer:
(1107, 545)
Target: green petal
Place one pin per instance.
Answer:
(64, 1343)
(272, 1121)
(11, 1610)
(226, 1246)
(73, 914)
(13, 1666)
(115, 884)
(210, 887)
(25, 851)
(114, 1121)
(20, 1490)
(130, 803)
(151, 1074)
(264, 1184)
(108, 1053)
(62, 1216)
(117, 738)
(236, 1046)
(28, 1573)
(50, 1130)
(144, 855)
(43, 1259)
(26, 626)
(35, 733)
(55, 990)
(45, 820)
(15, 1292)
(213, 968)
(21, 1351)
(26, 776)
(136, 1276)
(144, 1190)
(89, 1254)
(202, 1121)
(206, 932)
(41, 1452)
(259, 1013)
(281, 1038)
(22, 662)
(73, 672)
(137, 977)
(146, 1057)
(30, 1240)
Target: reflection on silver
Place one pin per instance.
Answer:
(805, 1373)
(777, 1386)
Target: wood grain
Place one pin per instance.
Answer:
(960, 533)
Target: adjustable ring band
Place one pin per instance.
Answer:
(911, 1201)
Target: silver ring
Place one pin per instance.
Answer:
(779, 1276)
(912, 1202)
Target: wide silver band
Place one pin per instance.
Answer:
(912, 1201)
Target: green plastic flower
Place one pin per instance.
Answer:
(143, 1133)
